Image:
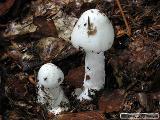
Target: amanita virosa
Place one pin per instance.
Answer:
(50, 92)
(94, 34)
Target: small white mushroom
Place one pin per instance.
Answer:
(95, 34)
(49, 91)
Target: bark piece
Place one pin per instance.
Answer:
(4, 7)
(90, 115)
(110, 102)
(75, 76)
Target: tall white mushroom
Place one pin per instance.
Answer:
(95, 34)
(49, 91)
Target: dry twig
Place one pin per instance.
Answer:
(32, 80)
(124, 18)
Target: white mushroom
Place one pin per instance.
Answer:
(95, 34)
(49, 91)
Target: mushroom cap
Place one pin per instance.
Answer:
(93, 32)
(50, 76)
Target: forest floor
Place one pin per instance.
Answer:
(34, 32)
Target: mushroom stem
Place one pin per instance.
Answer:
(50, 92)
(54, 96)
(94, 74)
